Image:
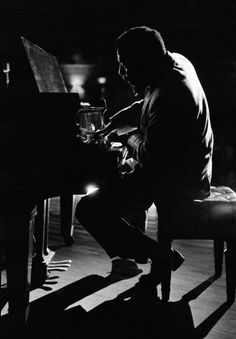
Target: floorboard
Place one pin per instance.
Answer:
(75, 298)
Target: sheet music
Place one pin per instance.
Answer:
(45, 68)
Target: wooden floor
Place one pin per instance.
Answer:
(91, 281)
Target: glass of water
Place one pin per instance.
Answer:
(89, 120)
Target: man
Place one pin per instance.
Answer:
(168, 132)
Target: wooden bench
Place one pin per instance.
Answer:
(212, 218)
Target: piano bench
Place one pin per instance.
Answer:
(212, 218)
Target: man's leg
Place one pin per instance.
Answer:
(103, 214)
(138, 219)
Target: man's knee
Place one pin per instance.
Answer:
(83, 209)
(90, 208)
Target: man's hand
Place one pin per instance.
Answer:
(105, 131)
(103, 134)
(111, 134)
(134, 140)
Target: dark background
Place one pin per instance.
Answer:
(196, 27)
(202, 30)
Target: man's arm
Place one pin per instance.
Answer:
(127, 119)
(155, 139)
(124, 121)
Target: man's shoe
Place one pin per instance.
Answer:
(124, 268)
(141, 259)
(177, 259)
(147, 284)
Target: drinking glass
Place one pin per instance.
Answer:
(89, 120)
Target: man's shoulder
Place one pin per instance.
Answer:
(179, 59)
(181, 73)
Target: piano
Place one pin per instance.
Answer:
(40, 158)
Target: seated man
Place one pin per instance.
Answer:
(170, 138)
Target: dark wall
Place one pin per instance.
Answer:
(196, 27)
(204, 31)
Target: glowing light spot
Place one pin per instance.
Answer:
(101, 80)
(90, 189)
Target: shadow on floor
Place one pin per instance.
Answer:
(205, 327)
(141, 318)
(146, 317)
(195, 292)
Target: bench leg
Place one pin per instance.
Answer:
(230, 260)
(218, 256)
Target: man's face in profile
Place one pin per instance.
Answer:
(132, 73)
